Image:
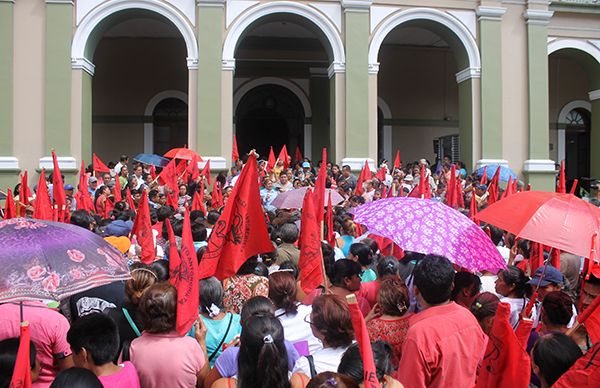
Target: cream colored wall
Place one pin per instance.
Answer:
(575, 25)
(28, 87)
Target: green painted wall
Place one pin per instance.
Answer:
(6, 78)
(595, 139)
(210, 42)
(357, 84)
(319, 104)
(332, 149)
(537, 66)
(86, 117)
(59, 28)
(465, 122)
(491, 89)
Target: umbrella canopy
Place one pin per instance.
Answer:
(505, 172)
(429, 227)
(182, 153)
(51, 260)
(561, 221)
(293, 199)
(151, 159)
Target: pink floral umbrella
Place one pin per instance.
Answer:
(430, 227)
(51, 260)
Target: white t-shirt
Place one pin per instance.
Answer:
(326, 360)
(488, 283)
(505, 252)
(296, 329)
(517, 305)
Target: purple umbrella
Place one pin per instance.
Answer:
(293, 199)
(429, 227)
(51, 260)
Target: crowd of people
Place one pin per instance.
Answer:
(428, 320)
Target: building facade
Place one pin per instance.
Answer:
(513, 82)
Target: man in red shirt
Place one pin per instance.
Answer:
(444, 343)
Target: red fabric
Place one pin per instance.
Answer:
(365, 174)
(241, 231)
(217, 195)
(364, 344)
(197, 203)
(424, 188)
(393, 331)
(506, 363)
(82, 198)
(451, 189)
(310, 263)
(10, 209)
(24, 194)
(192, 169)
(590, 317)
(182, 153)
(555, 255)
(271, 160)
(117, 196)
(528, 187)
(473, 210)
(183, 271)
(235, 155)
(460, 197)
(329, 222)
(493, 195)
(574, 186)
(284, 157)
(319, 190)
(298, 155)
(397, 160)
(561, 187)
(584, 373)
(108, 207)
(43, 206)
(130, 200)
(142, 229)
(21, 377)
(168, 175)
(206, 172)
(152, 173)
(58, 191)
(98, 165)
(381, 174)
(484, 180)
(181, 170)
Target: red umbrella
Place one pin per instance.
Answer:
(182, 153)
(561, 221)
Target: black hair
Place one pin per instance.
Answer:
(257, 305)
(164, 212)
(290, 265)
(199, 232)
(249, 266)
(554, 354)
(352, 365)
(387, 265)
(81, 218)
(362, 252)
(515, 276)
(76, 378)
(8, 357)
(211, 292)
(161, 268)
(434, 276)
(212, 217)
(262, 359)
(464, 280)
(496, 234)
(344, 268)
(557, 308)
(98, 334)
(328, 259)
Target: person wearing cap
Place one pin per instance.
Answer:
(70, 197)
(547, 279)
(407, 183)
(92, 185)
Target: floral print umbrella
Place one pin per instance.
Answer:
(51, 260)
(430, 227)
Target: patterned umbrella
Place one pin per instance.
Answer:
(505, 172)
(293, 199)
(51, 260)
(429, 227)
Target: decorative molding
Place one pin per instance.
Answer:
(490, 13)
(236, 8)
(70, 2)
(374, 68)
(192, 63)
(537, 17)
(335, 68)
(150, 106)
(356, 164)
(228, 64)
(379, 12)
(487, 162)
(468, 18)
(468, 73)
(67, 163)
(357, 5)
(317, 72)
(332, 10)
(590, 47)
(216, 162)
(7, 1)
(539, 166)
(211, 3)
(562, 116)
(594, 95)
(83, 64)
(9, 163)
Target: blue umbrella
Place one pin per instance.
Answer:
(505, 172)
(151, 159)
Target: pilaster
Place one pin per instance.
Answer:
(319, 105)
(595, 133)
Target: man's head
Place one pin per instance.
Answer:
(283, 179)
(106, 178)
(346, 171)
(548, 278)
(124, 159)
(289, 232)
(138, 171)
(93, 182)
(434, 279)
(94, 340)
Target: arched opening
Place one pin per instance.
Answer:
(137, 53)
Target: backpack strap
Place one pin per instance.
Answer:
(311, 365)
(131, 323)
(214, 353)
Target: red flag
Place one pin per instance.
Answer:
(493, 195)
(82, 198)
(319, 190)
(381, 174)
(206, 171)
(168, 176)
(555, 258)
(484, 180)
(241, 231)
(397, 160)
(536, 257)
(172, 200)
(58, 190)
(584, 373)
(43, 206)
(590, 317)
(574, 186)
(310, 263)
(283, 156)
(184, 277)
(192, 169)
(24, 192)
(142, 229)
(506, 363)
(197, 203)
(329, 222)
(21, 377)
(181, 170)
(473, 210)
(298, 155)
(364, 343)
(108, 207)
(384, 192)
(271, 160)
(152, 172)
(365, 174)
(117, 195)
(424, 188)
(130, 200)
(496, 179)
(528, 187)
(10, 210)
(561, 187)
(235, 155)
(217, 195)
(460, 198)
(98, 165)
(451, 189)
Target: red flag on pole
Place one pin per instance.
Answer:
(21, 377)
(82, 198)
(329, 222)
(235, 155)
(10, 210)
(584, 373)
(506, 363)
(152, 173)
(319, 190)
(98, 165)
(310, 263)
(561, 187)
(142, 229)
(241, 231)
(473, 210)
(484, 180)
(397, 160)
(181, 170)
(117, 192)
(424, 188)
(217, 195)
(298, 157)
(381, 174)
(24, 194)
(192, 168)
(43, 206)
(574, 186)
(184, 277)
(283, 156)
(365, 174)
(108, 207)
(197, 203)
(168, 176)
(460, 198)
(451, 189)
(364, 343)
(271, 160)
(58, 190)
(130, 200)
(206, 171)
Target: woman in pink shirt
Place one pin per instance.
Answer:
(162, 357)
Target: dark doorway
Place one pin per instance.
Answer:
(380, 136)
(170, 120)
(577, 147)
